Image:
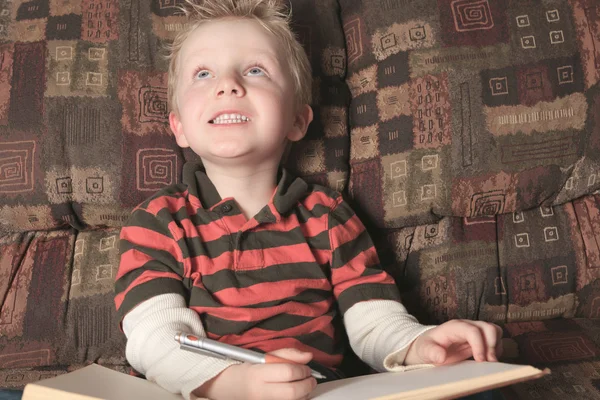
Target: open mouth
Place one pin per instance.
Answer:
(229, 119)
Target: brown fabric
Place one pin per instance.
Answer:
(532, 265)
(475, 160)
(481, 198)
(569, 347)
(471, 108)
(84, 133)
(57, 309)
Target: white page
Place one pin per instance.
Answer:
(387, 383)
(101, 382)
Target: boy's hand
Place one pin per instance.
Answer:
(456, 340)
(263, 381)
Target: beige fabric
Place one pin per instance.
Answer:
(152, 350)
(381, 332)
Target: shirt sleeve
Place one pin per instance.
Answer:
(151, 259)
(380, 333)
(356, 274)
(151, 349)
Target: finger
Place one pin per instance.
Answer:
(498, 345)
(456, 353)
(293, 355)
(492, 334)
(291, 390)
(499, 348)
(431, 352)
(281, 372)
(470, 332)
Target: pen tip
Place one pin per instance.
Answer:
(318, 375)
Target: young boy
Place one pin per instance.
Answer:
(244, 253)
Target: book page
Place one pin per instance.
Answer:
(389, 383)
(97, 382)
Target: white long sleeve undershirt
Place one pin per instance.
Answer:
(380, 333)
(151, 349)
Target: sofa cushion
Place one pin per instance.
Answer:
(58, 308)
(470, 109)
(84, 133)
(525, 266)
(570, 348)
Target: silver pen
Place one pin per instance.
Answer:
(213, 348)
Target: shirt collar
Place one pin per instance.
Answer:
(289, 191)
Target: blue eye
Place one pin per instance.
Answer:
(203, 74)
(256, 71)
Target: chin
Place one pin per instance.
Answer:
(225, 150)
(222, 156)
(229, 153)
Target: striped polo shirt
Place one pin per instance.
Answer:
(280, 279)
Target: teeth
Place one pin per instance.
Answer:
(230, 119)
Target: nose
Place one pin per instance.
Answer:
(230, 85)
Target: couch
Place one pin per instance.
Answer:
(466, 133)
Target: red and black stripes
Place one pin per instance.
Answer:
(269, 281)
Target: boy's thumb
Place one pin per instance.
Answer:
(435, 354)
(289, 354)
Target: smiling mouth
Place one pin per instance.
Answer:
(229, 119)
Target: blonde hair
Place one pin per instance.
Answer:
(271, 14)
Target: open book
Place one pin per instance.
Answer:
(96, 382)
(446, 382)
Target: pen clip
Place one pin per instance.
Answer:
(202, 351)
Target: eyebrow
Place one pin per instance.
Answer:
(255, 57)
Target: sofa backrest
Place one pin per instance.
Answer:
(84, 133)
(471, 108)
(475, 152)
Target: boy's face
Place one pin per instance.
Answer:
(234, 95)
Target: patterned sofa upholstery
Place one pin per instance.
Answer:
(466, 133)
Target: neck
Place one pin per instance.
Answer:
(252, 189)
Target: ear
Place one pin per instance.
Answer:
(177, 129)
(304, 117)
